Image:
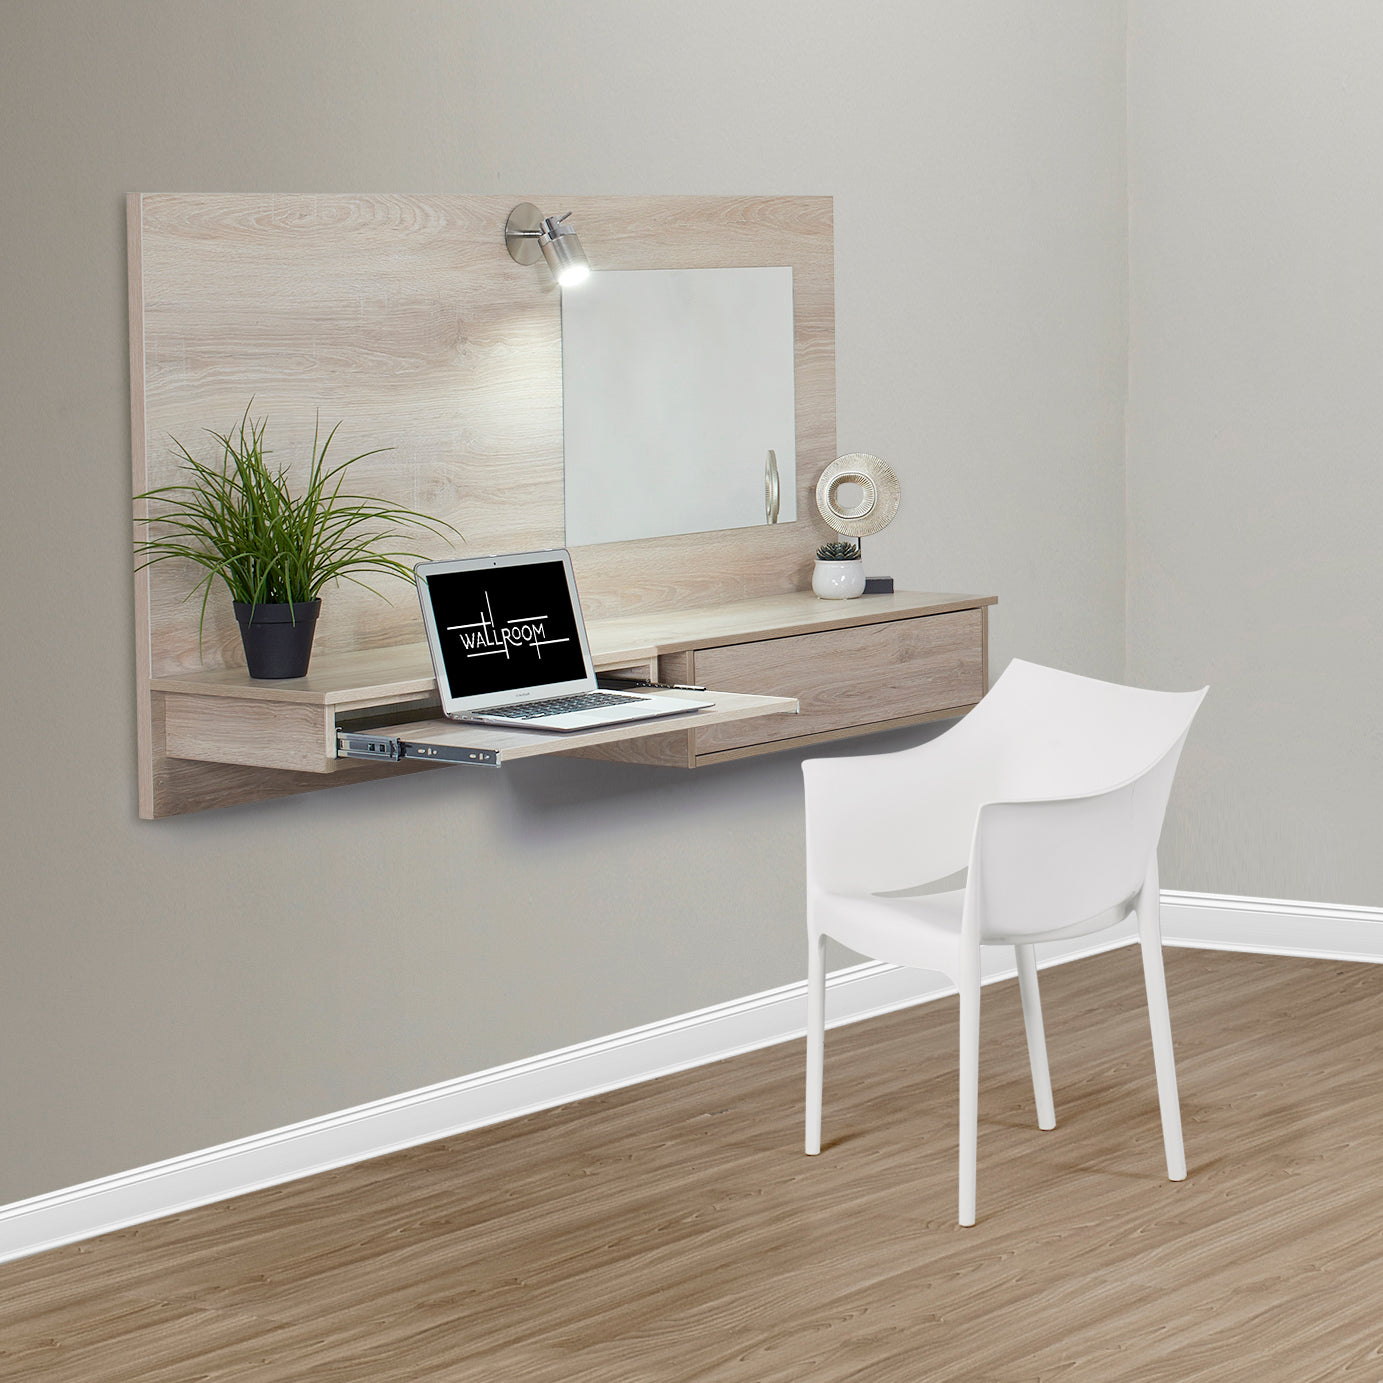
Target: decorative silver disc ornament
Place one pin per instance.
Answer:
(878, 501)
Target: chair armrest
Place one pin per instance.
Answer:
(1041, 866)
(1053, 863)
(879, 822)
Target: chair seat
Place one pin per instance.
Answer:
(919, 930)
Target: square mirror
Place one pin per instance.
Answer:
(678, 402)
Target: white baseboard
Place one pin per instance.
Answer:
(1272, 926)
(626, 1058)
(487, 1097)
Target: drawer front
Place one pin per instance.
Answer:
(848, 677)
(264, 734)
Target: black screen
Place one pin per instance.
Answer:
(505, 628)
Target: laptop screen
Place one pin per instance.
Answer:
(505, 628)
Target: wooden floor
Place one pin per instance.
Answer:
(674, 1231)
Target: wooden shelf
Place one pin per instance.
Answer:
(383, 676)
(771, 617)
(373, 677)
(856, 666)
(506, 745)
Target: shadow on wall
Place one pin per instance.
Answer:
(543, 788)
(552, 794)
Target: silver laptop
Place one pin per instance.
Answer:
(509, 646)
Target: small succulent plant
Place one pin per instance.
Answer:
(838, 552)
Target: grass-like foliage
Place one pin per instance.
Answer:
(239, 519)
(838, 552)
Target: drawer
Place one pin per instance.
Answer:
(847, 678)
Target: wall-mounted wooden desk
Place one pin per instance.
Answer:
(846, 667)
(405, 317)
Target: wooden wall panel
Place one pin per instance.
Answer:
(393, 314)
(405, 318)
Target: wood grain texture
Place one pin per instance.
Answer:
(206, 719)
(726, 708)
(354, 678)
(402, 316)
(367, 677)
(833, 683)
(680, 750)
(405, 317)
(984, 649)
(260, 734)
(654, 751)
(144, 734)
(675, 1233)
(187, 785)
(705, 759)
(774, 616)
(362, 677)
(849, 677)
(916, 678)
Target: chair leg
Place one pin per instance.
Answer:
(1160, 1019)
(816, 1037)
(1037, 1041)
(969, 1078)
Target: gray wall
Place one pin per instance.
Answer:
(1255, 419)
(167, 986)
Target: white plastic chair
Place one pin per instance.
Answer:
(1050, 794)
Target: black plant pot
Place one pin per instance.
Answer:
(277, 638)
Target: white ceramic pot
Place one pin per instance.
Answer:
(838, 580)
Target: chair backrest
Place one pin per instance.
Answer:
(1040, 734)
(1083, 780)
(1056, 734)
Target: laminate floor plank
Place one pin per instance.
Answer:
(674, 1233)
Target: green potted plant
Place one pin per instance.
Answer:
(839, 571)
(239, 519)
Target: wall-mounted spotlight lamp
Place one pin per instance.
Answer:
(529, 234)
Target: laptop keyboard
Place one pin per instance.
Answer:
(559, 705)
